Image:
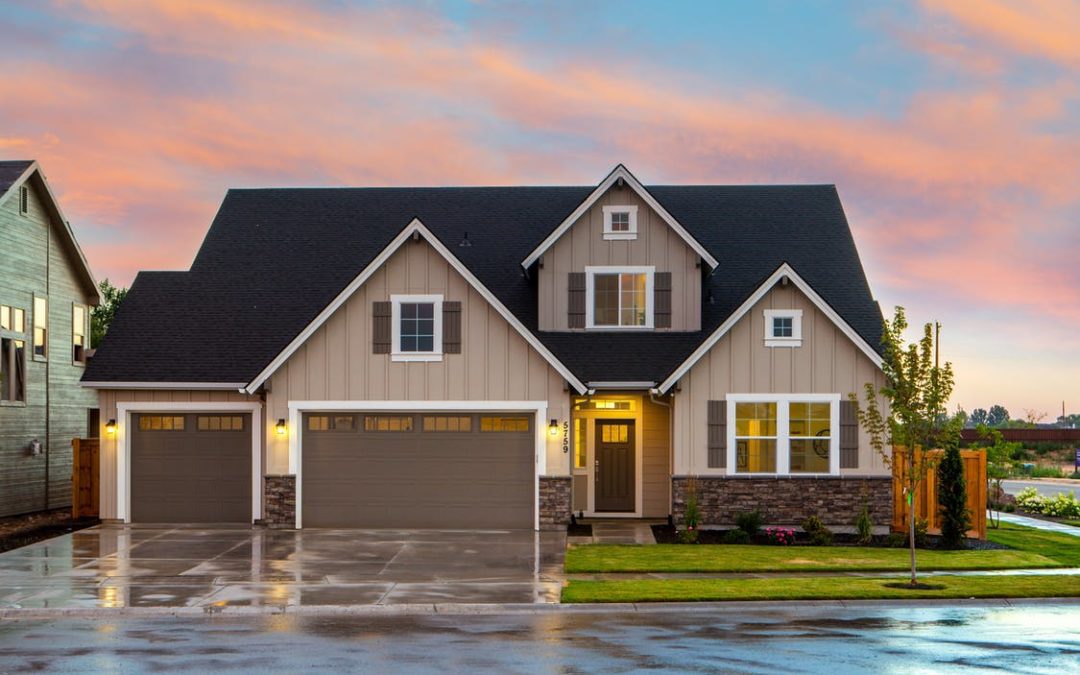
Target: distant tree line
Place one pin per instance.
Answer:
(997, 417)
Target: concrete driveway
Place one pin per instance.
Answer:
(214, 567)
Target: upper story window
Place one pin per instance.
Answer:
(41, 327)
(620, 222)
(416, 322)
(78, 334)
(619, 297)
(783, 327)
(12, 354)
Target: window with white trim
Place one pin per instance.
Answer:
(619, 297)
(416, 322)
(12, 355)
(784, 434)
(783, 328)
(78, 335)
(620, 222)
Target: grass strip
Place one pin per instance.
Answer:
(816, 588)
(1061, 548)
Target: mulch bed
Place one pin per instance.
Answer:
(666, 534)
(17, 531)
(576, 529)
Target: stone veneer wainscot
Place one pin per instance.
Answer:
(554, 502)
(279, 509)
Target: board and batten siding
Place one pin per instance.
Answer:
(108, 398)
(655, 459)
(337, 362)
(828, 362)
(584, 244)
(34, 261)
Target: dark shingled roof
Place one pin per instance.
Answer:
(10, 170)
(274, 258)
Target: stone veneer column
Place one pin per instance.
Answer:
(785, 500)
(554, 502)
(279, 510)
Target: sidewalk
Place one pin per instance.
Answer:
(1038, 524)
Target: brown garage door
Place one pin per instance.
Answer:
(191, 468)
(418, 471)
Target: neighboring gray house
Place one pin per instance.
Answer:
(46, 292)
(497, 358)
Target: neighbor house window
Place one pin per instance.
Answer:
(784, 433)
(620, 222)
(783, 327)
(417, 327)
(41, 327)
(78, 334)
(619, 297)
(24, 200)
(12, 354)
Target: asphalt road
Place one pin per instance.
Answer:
(1046, 489)
(1022, 639)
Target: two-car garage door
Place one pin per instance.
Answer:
(423, 470)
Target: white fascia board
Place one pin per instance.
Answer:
(414, 227)
(233, 386)
(618, 172)
(784, 270)
(31, 170)
(621, 385)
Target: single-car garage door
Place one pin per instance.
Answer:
(191, 468)
(458, 471)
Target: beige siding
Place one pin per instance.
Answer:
(655, 460)
(656, 244)
(827, 362)
(108, 398)
(337, 363)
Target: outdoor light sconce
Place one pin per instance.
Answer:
(110, 427)
(280, 427)
(553, 428)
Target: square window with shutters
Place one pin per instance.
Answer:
(388, 423)
(78, 334)
(41, 328)
(504, 423)
(161, 423)
(619, 299)
(417, 327)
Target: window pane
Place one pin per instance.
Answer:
(633, 300)
(606, 299)
(18, 320)
(318, 423)
(5, 369)
(504, 423)
(344, 423)
(782, 327)
(417, 327)
(388, 423)
(452, 423)
(755, 419)
(755, 456)
(579, 443)
(5, 317)
(620, 221)
(809, 455)
(810, 419)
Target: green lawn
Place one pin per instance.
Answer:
(1062, 548)
(816, 588)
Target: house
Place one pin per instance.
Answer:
(46, 291)
(497, 358)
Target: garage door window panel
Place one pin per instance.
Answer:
(447, 423)
(219, 423)
(388, 423)
(504, 423)
(161, 423)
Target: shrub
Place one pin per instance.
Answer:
(1041, 471)
(896, 540)
(952, 499)
(1063, 505)
(819, 534)
(921, 526)
(780, 536)
(750, 522)
(736, 537)
(864, 527)
(691, 517)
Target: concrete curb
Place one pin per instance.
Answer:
(459, 609)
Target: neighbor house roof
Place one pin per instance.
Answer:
(273, 259)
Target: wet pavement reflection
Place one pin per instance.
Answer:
(800, 638)
(143, 566)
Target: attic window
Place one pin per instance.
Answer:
(24, 200)
(783, 327)
(620, 222)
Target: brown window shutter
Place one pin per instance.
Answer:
(451, 327)
(576, 307)
(717, 434)
(662, 299)
(849, 436)
(380, 327)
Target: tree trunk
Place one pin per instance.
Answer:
(912, 486)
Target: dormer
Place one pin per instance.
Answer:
(620, 262)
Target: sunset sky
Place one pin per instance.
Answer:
(950, 127)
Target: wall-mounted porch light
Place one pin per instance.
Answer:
(110, 427)
(280, 427)
(553, 428)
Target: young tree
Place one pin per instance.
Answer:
(102, 315)
(998, 453)
(997, 417)
(952, 497)
(916, 390)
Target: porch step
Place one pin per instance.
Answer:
(622, 532)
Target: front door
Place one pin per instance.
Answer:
(614, 471)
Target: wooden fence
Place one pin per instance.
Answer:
(84, 478)
(926, 505)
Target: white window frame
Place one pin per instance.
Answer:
(783, 431)
(590, 295)
(395, 330)
(85, 334)
(616, 235)
(796, 328)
